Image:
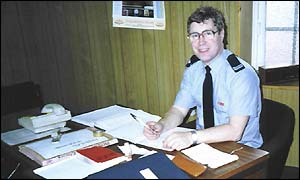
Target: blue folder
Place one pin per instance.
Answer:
(158, 163)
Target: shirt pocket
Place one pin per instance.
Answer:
(222, 104)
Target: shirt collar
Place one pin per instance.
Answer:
(218, 62)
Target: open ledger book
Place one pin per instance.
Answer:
(118, 122)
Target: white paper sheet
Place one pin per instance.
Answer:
(68, 142)
(205, 154)
(23, 135)
(90, 118)
(76, 167)
(118, 122)
(134, 134)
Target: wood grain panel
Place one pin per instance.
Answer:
(83, 63)
(134, 67)
(151, 71)
(98, 28)
(178, 41)
(117, 60)
(164, 69)
(14, 67)
(80, 59)
(62, 53)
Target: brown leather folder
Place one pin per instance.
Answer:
(188, 165)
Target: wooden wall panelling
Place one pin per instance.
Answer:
(29, 34)
(117, 58)
(73, 42)
(81, 57)
(14, 67)
(178, 41)
(151, 65)
(134, 67)
(163, 51)
(38, 50)
(99, 43)
(48, 63)
(81, 61)
(187, 10)
(231, 11)
(63, 55)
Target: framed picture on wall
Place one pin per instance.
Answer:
(139, 14)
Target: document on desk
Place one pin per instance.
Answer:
(134, 134)
(68, 142)
(90, 118)
(76, 167)
(205, 154)
(23, 135)
(127, 128)
(118, 122)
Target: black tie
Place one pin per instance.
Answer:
(208, 113)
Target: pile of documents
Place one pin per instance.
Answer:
(118, 122)
(45, 152)
(76, 167)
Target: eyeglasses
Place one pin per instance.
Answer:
(207, 34)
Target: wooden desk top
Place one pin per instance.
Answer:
(248, 158)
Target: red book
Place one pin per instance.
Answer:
(99, 154)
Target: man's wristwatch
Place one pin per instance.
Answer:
(194, 137)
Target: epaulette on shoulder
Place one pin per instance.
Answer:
(192, 60)
(235, 64)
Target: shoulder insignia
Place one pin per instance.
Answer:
(235, 63)
(192, 60)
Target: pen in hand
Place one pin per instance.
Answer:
(142, 123)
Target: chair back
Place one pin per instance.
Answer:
(18, 100)
(277, 122)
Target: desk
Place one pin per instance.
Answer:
(251, 164)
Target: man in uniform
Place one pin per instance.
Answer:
(235, 102)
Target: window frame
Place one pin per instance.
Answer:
(258, 49)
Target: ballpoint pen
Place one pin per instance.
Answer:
(13, 172)
(142, 123)
(235, 150)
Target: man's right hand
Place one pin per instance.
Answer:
(153, 130)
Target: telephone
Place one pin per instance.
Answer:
(53, 108)
(53, 116)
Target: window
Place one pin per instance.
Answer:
(275, 38)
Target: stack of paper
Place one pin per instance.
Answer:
(45, 152)
(76, 167)
(91, 118)
(23, 135)
(118, 122)
(205, 154)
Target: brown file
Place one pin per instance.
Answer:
(188, 165)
